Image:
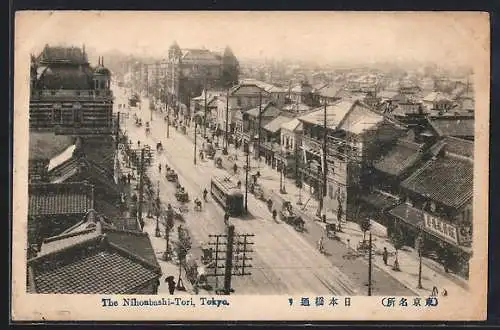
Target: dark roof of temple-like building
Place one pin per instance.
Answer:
(94, 266)
(46, 145)
(400, 157)
(55, 54)
(446, 179)
(460, 127)
(94, 257)
(59, 198)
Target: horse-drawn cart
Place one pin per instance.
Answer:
(285, 210)
(181, 195)
(171, 175)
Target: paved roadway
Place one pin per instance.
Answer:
(284, 261)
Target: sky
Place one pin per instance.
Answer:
(324, 37)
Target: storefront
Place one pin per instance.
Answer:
(441, 239)
(374, 205)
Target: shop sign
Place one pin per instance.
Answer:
(440, 227)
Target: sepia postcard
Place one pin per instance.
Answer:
(250, 165)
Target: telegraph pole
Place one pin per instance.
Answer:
(370, 266)
(141, 187)
(323, 179)
(228, 271)
(227, 123)
(260, 121)
(117, 129)
(420, 245)
(246, 175)
(195, 129)
(205, 116)
(157, 229)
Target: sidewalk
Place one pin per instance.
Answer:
(433, 273)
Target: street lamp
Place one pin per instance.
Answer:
(195, 133)
(282, 181)
(420, 243)
(247, 149)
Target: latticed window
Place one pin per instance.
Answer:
(57, 117)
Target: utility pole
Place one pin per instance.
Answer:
(195, 129)
(157, 229)
(229, 259)
(117, 130)
(323, 179)
(205, 116)
(260, 122)
(235, 262)
(247, 147)
(370, 266)
(227, 124)
(141, 187)
(420, 246)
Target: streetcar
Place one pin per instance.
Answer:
(227, 195)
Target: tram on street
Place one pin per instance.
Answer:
(227, 195)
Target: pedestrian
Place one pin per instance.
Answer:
(274, 215)
(320, 245)
(129, 177)
(171, 284)
(435, 291)
(226, 219)
(235, 168)
(385, 256)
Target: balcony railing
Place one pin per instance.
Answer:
(71, 94)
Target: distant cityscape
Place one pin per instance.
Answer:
(339, 153)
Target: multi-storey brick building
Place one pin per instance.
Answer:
(355, 136)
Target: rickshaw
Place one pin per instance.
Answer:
(331, 230)
(197, 204)
(218, 162)
(148, 129)
(181, 195)
(285, 211)
(171, 175)
(210, 151)
(256, 190)
(159, 147)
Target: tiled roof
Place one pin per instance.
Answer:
(101, 151)
(379, 200)
(61, 158)
(335, 113)
(262, 85)
(328, 91)
(87, 170)
(92, 267)
(47, 145)
(453, 126)
(274, 125)
(399, 158)
(57, 198)
(436, 97)
(360, 119)
(65, 54)
(268, 110)
(292, 125)
(447, 180)
(459, 146)
(388, 95)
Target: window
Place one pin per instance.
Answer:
(238, 101)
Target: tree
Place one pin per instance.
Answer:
(230, 68)
(397, 240)
(169, 225)
(364, 225)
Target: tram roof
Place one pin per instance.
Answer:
(227, 185)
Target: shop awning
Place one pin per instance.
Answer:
(408, 214)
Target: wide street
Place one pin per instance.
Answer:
(284, 260)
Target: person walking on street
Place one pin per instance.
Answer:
(235, 168)
(171, 284)
(159, 168)
(320, 245)
(385, 256)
